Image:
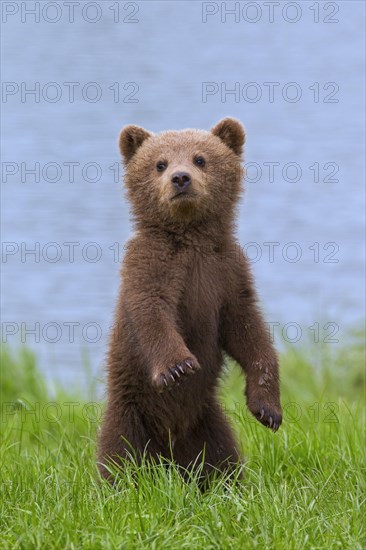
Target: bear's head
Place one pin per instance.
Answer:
(183, 176)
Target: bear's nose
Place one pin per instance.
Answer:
(181, 180)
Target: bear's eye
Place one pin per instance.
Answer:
(161, 166)
(199, 161)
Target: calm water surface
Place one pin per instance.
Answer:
(311, 210)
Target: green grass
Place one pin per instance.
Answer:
(303, 487)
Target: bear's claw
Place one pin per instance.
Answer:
(175, 375)
(268, 415)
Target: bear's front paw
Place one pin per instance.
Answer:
(269, 414)
(176, 374)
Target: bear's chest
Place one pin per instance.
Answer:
(202, 293)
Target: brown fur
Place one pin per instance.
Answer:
(186, 297)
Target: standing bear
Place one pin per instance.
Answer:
(186, 297)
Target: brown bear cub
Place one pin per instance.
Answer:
(186, 297)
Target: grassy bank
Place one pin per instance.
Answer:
(303, 487)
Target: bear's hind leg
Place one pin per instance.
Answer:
(123, 435)
(212, 441)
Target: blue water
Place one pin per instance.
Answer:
(163, 60)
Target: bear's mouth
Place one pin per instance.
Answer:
(183, 195)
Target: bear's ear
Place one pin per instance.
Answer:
(130, 139)
(232, 133)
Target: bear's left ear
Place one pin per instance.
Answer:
(232, 133)
(130, 139)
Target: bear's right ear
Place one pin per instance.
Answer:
(130, 139)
